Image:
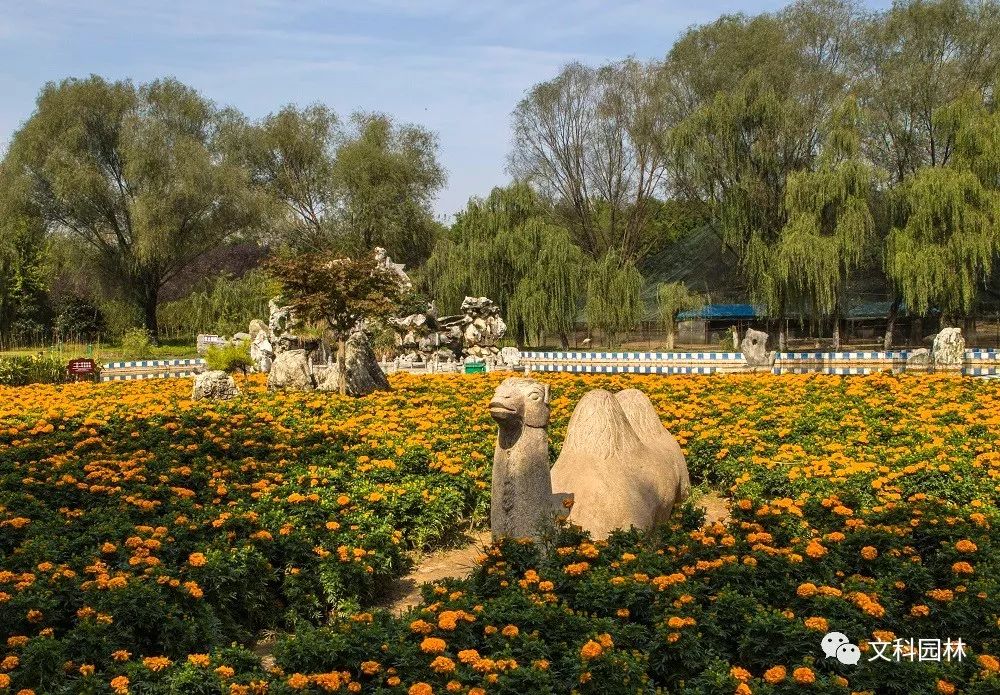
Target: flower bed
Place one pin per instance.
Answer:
(143, 537)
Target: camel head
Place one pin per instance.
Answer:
(520, 401)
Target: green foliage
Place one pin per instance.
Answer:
(136, 344)
(80, 318)
(948, 242)
(614, 302)
(503, 247)
(138, 173)
(388, 175)
(830, 224)
(20, 371)
(229, 358)
(224, 306)
(671, 299)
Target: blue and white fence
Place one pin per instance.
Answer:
(150, 369)
(977, 362)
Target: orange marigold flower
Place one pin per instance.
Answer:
(199, 659)
(4, 681)
(120, 685)
(442, 664)
(966, 546)
(197, 559)
(591, 650)
(775, 674)
(869, 552)
(743, 689)
(420, 689)
(819, 624)
(156, 663)
(421, 627)
(990, 663)
(510, 631)
(433, 645)
(962, 568)
(804, 675)
(370, 668)
(945, 688)
(121, 655)
(297, 681)
(740, 674)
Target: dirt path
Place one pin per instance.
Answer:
(441, 564)
(460, 562)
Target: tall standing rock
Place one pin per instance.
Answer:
(364, 376)
(949, 348)
(754, 347)
(291, 371)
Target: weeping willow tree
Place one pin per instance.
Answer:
(225, 306)
(946, 245)
(671, 299)
(503, 247)
(830, 223)
(614, 301)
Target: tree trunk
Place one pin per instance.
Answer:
(342, 364)
(891, 322)
(836, 332)
(671, 336)
(563, 340)
(148, 301)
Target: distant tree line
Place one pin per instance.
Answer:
(820, 144)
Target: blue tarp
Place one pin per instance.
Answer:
(720, 312)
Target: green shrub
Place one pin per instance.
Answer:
(229, 358)
(20, 371)
(136, 344)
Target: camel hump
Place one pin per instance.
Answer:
(641, 413)
(598, 428)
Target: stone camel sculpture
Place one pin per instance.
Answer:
(616, 479)
(522, 503)
(619, 465)
(645, 421)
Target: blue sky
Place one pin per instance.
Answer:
(457, 67)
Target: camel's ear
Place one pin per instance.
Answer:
(545, 394)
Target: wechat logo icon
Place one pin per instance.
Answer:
(837, 645)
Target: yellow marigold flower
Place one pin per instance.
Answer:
(87, 670)
(225, 672)
(199, 659)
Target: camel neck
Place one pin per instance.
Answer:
(520, 438)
